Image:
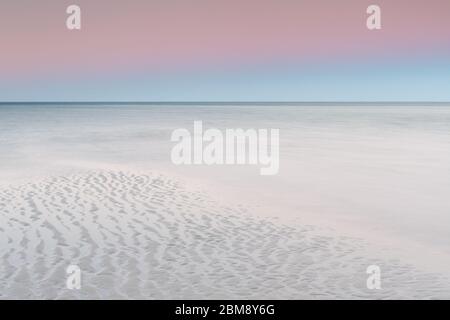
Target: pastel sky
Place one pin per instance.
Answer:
(225, 50)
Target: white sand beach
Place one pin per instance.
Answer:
(147, 236)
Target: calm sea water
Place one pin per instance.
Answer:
(384, 169)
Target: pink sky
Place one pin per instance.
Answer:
(164, 35)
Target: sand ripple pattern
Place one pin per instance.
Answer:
(147, 236)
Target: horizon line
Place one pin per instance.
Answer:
(268, 103)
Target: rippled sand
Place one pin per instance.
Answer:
(148, 236)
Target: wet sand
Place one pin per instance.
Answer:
(147, 235)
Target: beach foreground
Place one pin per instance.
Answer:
(138, 235)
